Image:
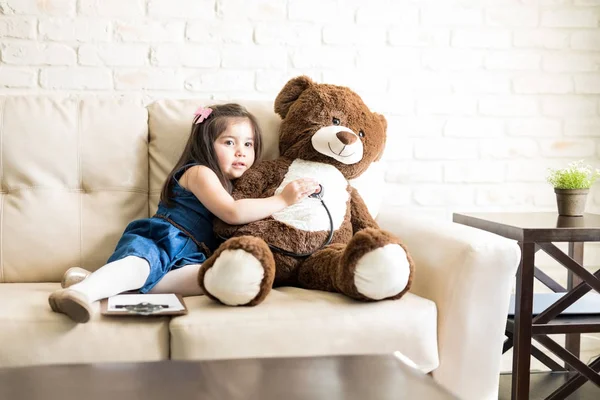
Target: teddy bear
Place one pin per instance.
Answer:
(328, 241)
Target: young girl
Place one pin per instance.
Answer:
(224, 142)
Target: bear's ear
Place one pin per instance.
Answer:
(290, 93)
(383, 122)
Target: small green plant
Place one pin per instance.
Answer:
(575, 176)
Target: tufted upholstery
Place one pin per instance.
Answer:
(71, 180)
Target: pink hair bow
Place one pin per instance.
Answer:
(202, 113)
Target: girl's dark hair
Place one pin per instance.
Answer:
(199, 148)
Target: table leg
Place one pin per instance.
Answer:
(573, 340)
(523, 318)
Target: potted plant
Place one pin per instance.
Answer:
(571, 185)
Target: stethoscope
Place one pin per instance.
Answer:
(317, 195)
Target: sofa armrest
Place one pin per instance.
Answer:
(469, 274)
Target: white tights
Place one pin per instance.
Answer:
(183, 281)
(119, 276)
(130, 273)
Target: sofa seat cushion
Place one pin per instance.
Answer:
(32, 334)
(294, 322)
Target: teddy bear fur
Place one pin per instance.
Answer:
(329, 134)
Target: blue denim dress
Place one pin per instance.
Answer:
(173, 237)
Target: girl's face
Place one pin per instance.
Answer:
(235, 148)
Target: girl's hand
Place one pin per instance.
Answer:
(298, 190)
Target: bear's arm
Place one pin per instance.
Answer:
(260, 180)
(360, 216)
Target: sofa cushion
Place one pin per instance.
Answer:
(73, 173)
(296, 322)
(32, 334)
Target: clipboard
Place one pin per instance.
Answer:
(143, 305)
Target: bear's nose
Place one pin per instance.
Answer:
(346, 137)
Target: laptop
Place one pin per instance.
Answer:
(586, 305)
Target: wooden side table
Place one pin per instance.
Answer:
(536, 231)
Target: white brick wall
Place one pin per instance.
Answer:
(481, 96)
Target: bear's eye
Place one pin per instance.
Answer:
(335, 121)
(361, 134)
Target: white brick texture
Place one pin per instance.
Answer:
(149, 31)
(188, 55)
(18, 27)
(217, 33)
(117, 54)
(192, 9)
(36, 53)
(481, 97)
(75, 78)
(84, 30)
(39, 8)
(110, 8)
(11, 77)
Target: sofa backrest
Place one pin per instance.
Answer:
(74, 171)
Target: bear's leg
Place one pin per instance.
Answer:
(319, 271)
(240, 272)
(373, 266)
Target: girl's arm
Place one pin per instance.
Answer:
(205, 185)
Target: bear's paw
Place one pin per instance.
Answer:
(383, 272)
(235, 277)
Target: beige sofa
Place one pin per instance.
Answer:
(75, 170)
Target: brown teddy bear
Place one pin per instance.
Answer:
(326, 242)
